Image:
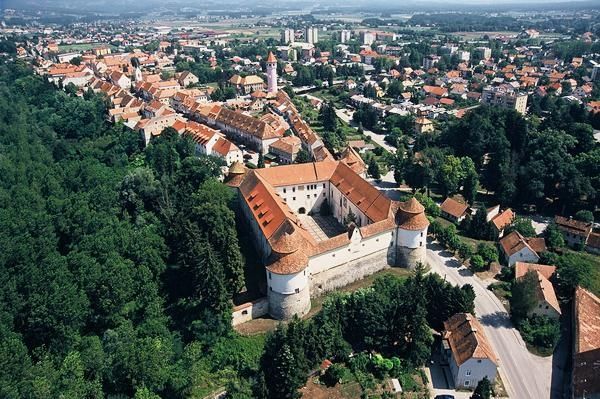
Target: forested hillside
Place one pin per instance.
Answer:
(117, 263)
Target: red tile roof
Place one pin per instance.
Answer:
(467, 340)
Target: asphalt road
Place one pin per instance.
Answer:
(346, 116)
(525, 375)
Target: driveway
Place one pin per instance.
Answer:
(524, 375)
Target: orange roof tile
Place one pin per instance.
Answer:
(453, 207)
(467, 340)
(503, 219)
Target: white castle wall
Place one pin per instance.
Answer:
(308, 196)
(358, 248)
(349, 272)
(287, 283)
(249, 311)
(341, 206)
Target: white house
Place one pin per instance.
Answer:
(515, 248)
(547, 303)
(468, 351)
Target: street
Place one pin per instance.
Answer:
(524, 374)
(346, 116)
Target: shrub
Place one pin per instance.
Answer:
(540, 331)
(336, 373)
(487, 252)
(477, 263)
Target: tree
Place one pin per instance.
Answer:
(450, 175)
(303, 156)
(373, 169)
(477, 263)
(584, 216)
(470, 180)
(261, 160)
(554, 237)
(328, 117)
(523, 225)
(282, 375)
(487, 252)
(483, 390)
(523, 299)
(573, 270)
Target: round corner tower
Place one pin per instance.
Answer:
(287, 278)
(271, 73)
(410, 240)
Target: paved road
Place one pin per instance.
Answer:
(524, 375)
(346, 116)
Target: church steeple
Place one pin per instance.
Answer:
(271, 73)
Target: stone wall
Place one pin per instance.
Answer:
(249, 311)
(349, 272)
(285, 306)
(409, 257)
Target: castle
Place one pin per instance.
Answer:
(283, 207)
(319, 226)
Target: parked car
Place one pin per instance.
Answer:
(445, 397)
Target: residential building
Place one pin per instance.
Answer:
(248, 84)
(187, 78)
(464, 55)
(288, 36)
(311, 35)
(586, 345)
(242, 128)
(505, 97)
(502, 220)
(345, 36)
(468, 351)
(547, 303)
(484, 52)
(430, 61)
(423, 125)
(575, 232)
(515, 248)
(286, 149)
(367, 38)
(454, 210)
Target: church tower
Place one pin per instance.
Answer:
(271, 73)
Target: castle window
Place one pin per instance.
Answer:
(421, 234)
(284, 190)
(420, 243)
(294, 189)
(270, 276)
(308, 196)
(305, 272)
(244, 312)
(323, 185)
(293, 198)
(297, 290)
(315, 195)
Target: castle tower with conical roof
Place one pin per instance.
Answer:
(410, 238)
(271, 73)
